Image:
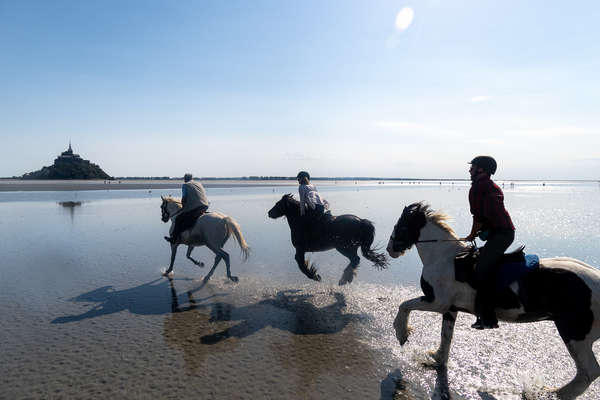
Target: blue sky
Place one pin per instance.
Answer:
(340, 88)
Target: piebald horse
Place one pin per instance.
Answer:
(211, 230)
(561, 289)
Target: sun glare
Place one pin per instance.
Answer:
(404, 18)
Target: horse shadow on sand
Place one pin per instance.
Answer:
(152, 298)
(288, 310)
(306, 337)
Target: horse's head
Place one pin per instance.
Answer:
(282, 207)
(408, 229)
(168, 207)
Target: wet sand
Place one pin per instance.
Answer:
(85, 312)
(181, 338)
(78, 185)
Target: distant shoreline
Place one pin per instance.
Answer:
(80, 185)
(21, 185)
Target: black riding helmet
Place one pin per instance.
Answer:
(303, 174)
(487, 163)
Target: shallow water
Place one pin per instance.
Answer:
(85, 311)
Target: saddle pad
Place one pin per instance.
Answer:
(510, 272)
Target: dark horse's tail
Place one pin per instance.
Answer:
(367, 235)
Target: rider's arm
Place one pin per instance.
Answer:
(183, 194)
(475, 202)
(302, 193)
(474, 229)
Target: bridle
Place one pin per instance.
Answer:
(165, 212)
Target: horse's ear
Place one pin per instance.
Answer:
(162, 197)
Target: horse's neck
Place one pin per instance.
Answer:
(293, 216)
(174, 209)
(433, 252)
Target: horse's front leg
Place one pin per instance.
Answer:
(416, 304)
(173, 254)
(189, 256)
(441, 355)
(308, 270)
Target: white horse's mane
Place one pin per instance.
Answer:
(171, 199)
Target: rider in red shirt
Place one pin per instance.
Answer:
(489, 215)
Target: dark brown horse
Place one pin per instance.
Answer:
(345, 233)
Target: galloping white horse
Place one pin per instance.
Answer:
(211, 229)
(561, 289)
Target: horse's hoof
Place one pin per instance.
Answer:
(433, 361)
(317, 277)
(403, 336)
(234, 278)
(167, 273)
(402, 339)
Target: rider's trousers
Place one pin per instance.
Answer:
(186, 220)
(486, 269)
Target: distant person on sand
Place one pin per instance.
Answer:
(193, 199)
(492, 223)
(311, 202)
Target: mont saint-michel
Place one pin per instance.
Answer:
(69, 165)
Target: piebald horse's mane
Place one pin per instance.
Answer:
(437, 217)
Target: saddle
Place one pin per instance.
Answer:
(513, 266)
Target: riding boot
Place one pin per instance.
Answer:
(170, 239)
(485, 308)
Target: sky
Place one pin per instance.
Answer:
(338, 88)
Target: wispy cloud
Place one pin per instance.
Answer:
(483, 142)
(479, 99)
(404, 18)
(589, 159)
(397, 125)
(559, 131)
(299, 157)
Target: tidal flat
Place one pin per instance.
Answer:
(86, 313)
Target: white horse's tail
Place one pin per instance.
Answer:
(234, 227)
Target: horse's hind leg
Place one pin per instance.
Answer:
(189, 256)
(587, 369)
(350, 271)
(220, 254)
(227, 265)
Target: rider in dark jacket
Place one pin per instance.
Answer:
(489, 215)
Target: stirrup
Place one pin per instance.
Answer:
(169, 239)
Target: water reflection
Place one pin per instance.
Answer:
(70, 205)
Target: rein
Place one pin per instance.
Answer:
(440, 240)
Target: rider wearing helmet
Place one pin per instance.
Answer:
(490, 217)
(193, 199)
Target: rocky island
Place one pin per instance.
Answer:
(69, 165)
